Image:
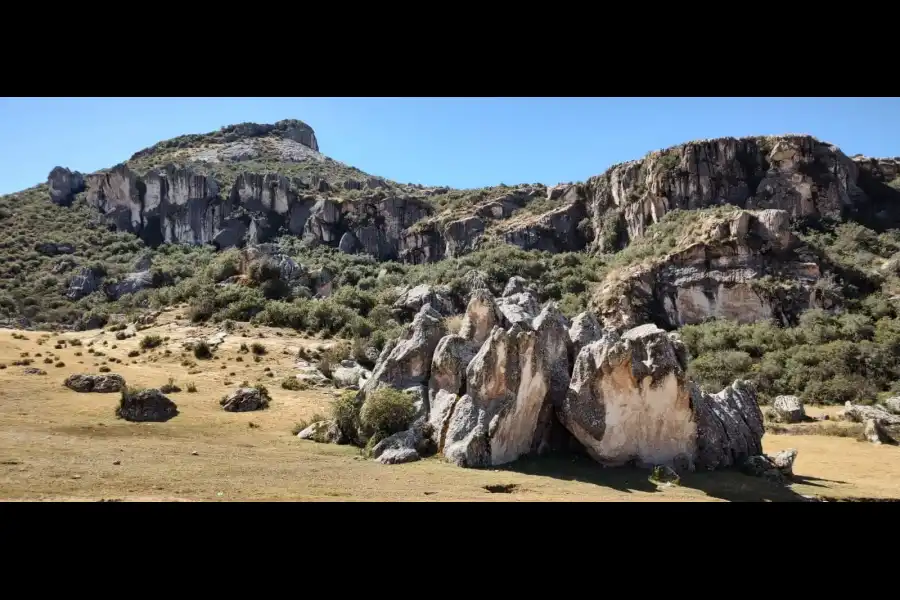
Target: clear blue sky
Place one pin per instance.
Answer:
(461, 142)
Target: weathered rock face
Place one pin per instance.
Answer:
(585, 329)
(95, 383)
(245, 399)
(518, 309)
(448, 366)
(723, 270)
(482, 315)
(324, 432)
(629, 400)
(797, 174)
(130, 284)
(893, 405)
(876, 433)
(554, 231)
(860, 414)
(412, 300)
(789, 409)
(350, 375)
(82, 284)
(408, 363)
(146, 405)
(64, 184)
(729, 426)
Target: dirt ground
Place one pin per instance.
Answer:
(56, 444)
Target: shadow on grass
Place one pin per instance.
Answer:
(726, 484)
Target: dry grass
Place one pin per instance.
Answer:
(56, 444)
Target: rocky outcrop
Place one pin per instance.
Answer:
(554, 231)
(324, 432)
(892, 405)
(789, 409)
(413, 299)
(405, 446)
(82, 284)
(732, 264)
(797, 174)
(859, 413)
(246, 399)
(876, 433)
(520, 308)
(482, 315)
(585, 329)
(101, 384)
(146, 405)
(129, 284)
(350, 375)
(729, 426)
(64, 184)
(408, 363)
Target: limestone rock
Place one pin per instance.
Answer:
(245, 399)
(408, 362)
(784, 461)
(105, 383)
(463, 236)
(482, 315)
(516, 285)
(585, 329)
(64, 184)
(412, 300)
(448, 367)
(860, 414)
(629, 400)
(323, 432)
(350, 375)
(789, 409)
(893, 405)
(729, 426)
(82, 284)
(405, 446)
(130, 284)
(876, 433)
(761, 465)
(146, 405)
(442, 406)
(518, 309)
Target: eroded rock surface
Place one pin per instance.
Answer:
(146, 405)
(245, 399)
(789, 409)
(860, 414)
(876, 433)
(106, 383)
(324, 432)
(729, 426)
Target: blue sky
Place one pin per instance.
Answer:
(461, 142)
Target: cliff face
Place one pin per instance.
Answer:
(796, 174)
(745, 266)
(803, 177)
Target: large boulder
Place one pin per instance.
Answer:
(789, 409)
(585, 329)
(324, 432)
(349, 374)
(448, 366)
(246, 399)
(729, 426)
(146, 405)
(405, 446)
(629, 400)
(102, 384)
(518, 309)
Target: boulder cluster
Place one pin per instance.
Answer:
(518, 379)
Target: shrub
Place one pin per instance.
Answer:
(48, 361)
(75, 342)
(192, 387)
(169, 387)
(304, 423)
(291, 383)
(133, 353)
(202, 351)
(121, 335)
(151, 341)
(345, 414)
(258, 348)
(60, 364)
(104, 369)
(386, 411)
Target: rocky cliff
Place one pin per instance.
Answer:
(220, 188)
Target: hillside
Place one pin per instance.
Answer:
(339, 249)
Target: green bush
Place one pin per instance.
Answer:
(151, 341)
(345, 414)
(202, 350)
(386, 411)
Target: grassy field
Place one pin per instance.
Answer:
(56, 444)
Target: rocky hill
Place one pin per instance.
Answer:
(776, 257)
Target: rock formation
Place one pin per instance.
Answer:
(146, 405)
(789, 409)
(64, 184)
(893, 405)
(734, 264)
(246, 399)
(876, 433)
(82, 284)
(502, 390)
(106, 383)
(859, 413)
